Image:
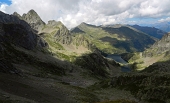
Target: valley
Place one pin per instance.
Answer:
(48, 63)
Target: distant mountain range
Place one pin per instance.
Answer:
(165, 26)
(152, 31)
(115, 38)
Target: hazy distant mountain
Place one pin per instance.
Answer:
(165, 26)
(115, 38)
(152, 31)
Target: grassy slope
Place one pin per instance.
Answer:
(94, 34)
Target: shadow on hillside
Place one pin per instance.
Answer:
(119, 44)
(45, 61)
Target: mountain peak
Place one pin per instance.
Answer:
(86, 24)
(17, 15)
(58, 31)
(31, 11)
(34, 20)
(83, 23)
(31, 15)
(53, 22)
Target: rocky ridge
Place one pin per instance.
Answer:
(33, 19)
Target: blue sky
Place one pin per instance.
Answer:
(6, 1)
(96, 12)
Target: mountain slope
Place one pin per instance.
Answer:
(158, 52)
(18, 32)
(114, 39)
(154, 32)
(159, 48)
(35, 68)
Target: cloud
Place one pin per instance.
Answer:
(165, 20)
(3, 7)
(97, 12)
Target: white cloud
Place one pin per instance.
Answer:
(3, 7)
(165, 20)
(73, 12)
